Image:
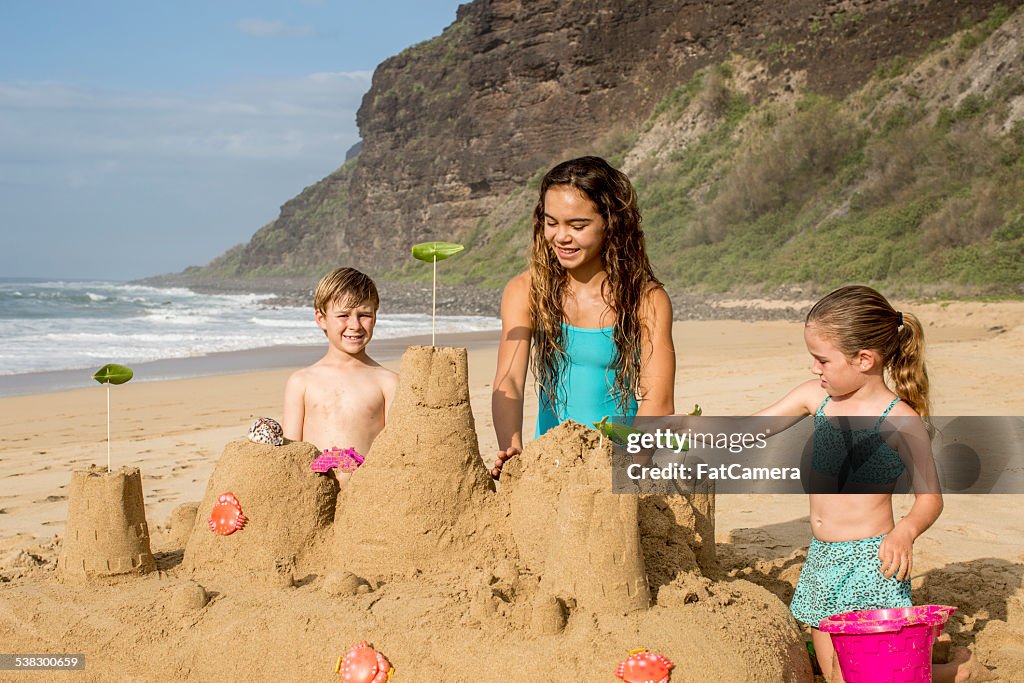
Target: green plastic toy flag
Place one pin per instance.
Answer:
(112, 373)
(432, 252)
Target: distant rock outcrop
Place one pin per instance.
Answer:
(454, 126)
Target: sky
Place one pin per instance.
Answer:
(139, 138)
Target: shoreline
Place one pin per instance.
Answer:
(176, 429)
(225, 363)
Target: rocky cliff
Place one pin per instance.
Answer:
(454, 128)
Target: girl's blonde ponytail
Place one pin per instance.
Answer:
(906, 366)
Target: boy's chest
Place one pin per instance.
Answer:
(350, 400)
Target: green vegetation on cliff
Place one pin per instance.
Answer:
(915, 181)
(774, 164)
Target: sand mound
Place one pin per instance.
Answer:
(179, 524)
(107, 534)
(289, 510)
(1000, 645)
(548, 579)
(612, 550)
(423, 499)
(569, 528)
(677, 534)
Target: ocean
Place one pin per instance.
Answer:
(54, 325)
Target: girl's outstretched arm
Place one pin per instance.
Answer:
(657, 355)
(785, 413)
(799, 402)
(510, 375)
(777, 417)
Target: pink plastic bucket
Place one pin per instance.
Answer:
(887, 645)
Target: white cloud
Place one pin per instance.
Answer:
(261, 28)
(78, 128)
(174, 177)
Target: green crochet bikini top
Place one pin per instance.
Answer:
(860, 456)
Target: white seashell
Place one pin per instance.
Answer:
(266, 431)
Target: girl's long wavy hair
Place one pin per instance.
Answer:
(857, 317)
(625, 262)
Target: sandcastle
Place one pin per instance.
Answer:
(424, 501)
(570, 529)
(455, 578)
(107, 534)
(428, 458)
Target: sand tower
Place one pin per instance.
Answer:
(423, 499)
(289, 511)
(106, 534)
(677, 533)
(568, 526)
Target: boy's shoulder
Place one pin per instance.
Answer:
(381, 373)
(313, 374)
(301, 375)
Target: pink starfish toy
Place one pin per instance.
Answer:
(347, 460)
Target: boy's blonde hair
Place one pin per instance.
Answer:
(343, 286)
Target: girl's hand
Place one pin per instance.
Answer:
(897, 554)
(500, 460)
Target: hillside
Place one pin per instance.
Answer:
(799, 144)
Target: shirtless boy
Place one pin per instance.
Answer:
(342, 399)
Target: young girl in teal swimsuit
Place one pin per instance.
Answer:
(860, 557)
(598, 323)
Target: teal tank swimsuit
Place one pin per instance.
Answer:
(586, 391)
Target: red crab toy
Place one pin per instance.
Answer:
(227, 517)
(643, 666)
(363, 664)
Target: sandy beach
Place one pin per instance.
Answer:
(175, 431)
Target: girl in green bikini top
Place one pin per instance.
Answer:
(589, 316)
(861, 346)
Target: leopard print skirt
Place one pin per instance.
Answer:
(842, 577)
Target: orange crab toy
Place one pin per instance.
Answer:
(642, 666)
(227, 517)
(363, 664)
